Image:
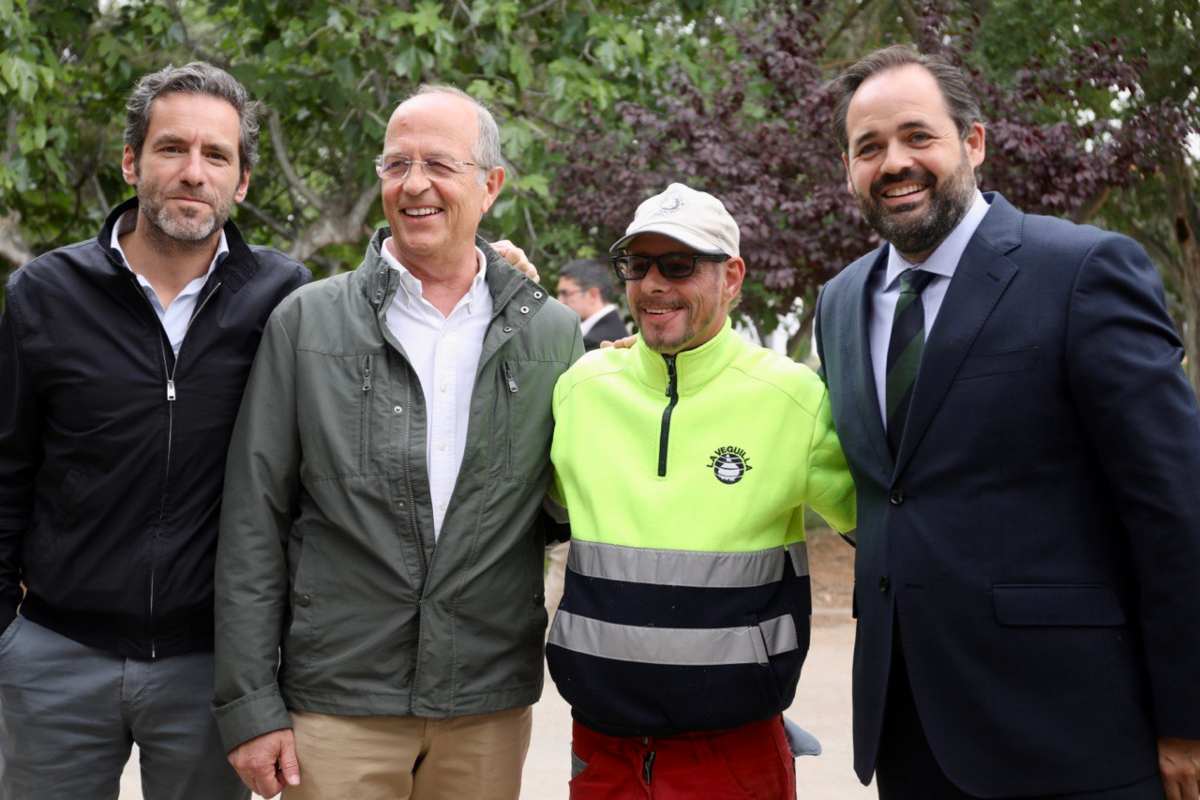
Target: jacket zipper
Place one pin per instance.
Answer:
(169, 374)
(511, 383)
(364, 438)
(665, 432)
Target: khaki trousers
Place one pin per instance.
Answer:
(398, 758)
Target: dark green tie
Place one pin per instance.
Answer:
(904, 352)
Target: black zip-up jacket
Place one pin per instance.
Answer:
(112, 450)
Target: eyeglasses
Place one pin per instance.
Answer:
(398, 167)
(673, 266)
(561, 293)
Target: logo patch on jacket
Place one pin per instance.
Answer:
(729, 464)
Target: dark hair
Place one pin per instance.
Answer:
(592, 272)
(197, 77)
(961, 102)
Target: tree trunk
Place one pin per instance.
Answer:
(1185, 221)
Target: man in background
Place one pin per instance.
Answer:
(587, 287)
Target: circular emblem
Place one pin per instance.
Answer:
(729, 468)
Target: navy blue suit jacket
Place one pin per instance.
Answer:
(1037, 537)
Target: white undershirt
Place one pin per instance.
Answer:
(589, 323)
(885, 291)
(176, 316)
(444, 351)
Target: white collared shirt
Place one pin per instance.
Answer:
(444, 351)
(885, 290)
(175, 317)
(589, 323)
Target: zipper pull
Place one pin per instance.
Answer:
(170, 390)
(366, 385)
(670, 375)
(648, 767)
(509, 379)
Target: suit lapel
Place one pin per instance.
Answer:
(857, 356)
(980, 279)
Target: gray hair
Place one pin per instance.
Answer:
(961, 102)
(592, 272)
(487, 146)
(197, 77)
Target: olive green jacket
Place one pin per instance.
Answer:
(330, 594)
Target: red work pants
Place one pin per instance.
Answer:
(751, 761)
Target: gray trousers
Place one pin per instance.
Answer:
(69, 715)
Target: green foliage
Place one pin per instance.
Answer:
(330, 74)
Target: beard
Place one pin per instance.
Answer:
(186, 225)
(920, 234)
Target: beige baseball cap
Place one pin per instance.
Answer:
(697, 219)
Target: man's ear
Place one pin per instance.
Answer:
(975, 143)
(129, 166)
(495, 180)
(735, 275)
(243, 186)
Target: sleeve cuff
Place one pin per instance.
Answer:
(251, 715)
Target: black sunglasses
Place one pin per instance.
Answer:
(673, 266)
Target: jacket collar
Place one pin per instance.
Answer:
(693, 368)
(234, 270)
(379, 282)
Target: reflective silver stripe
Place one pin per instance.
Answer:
(683, 647)
(683, 567)
(798, 551)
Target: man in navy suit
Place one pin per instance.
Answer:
(1027, 455)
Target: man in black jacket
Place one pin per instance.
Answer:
(123, 361)
(587, 287)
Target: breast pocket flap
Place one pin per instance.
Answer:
(981, 364)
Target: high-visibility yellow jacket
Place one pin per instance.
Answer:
(685, 477)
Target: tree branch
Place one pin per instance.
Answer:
(1091, 206)
(267, 219)
(846, 20)
(289, 172)
(539, 8)
(912, 21)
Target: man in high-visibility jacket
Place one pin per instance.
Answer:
(685, 619)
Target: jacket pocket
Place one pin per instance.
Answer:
(1063, 605)
(984, 364)
(302, 630)
(527, 388)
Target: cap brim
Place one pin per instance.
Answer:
(679, 233)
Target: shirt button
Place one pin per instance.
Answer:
(896, 497)
(397, 409)
(884, 584)
(304, 600)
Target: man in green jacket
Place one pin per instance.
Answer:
(685, 619)
(379, 573)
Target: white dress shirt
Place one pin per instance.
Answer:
(884, 290)
(589, 323)
(444, 351)
(176, 317)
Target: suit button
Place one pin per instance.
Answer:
(896, 497)
(884, 584)
(539, 598)
(304, 600)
